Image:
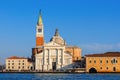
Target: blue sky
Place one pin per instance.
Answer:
(93, 25)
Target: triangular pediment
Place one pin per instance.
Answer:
(52, 43)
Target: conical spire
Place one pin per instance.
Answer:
(56, 33)
(40, 18)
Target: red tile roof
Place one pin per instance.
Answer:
(15, 57)
(108, 54)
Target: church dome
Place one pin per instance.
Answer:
(58, 39)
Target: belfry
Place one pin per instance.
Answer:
(39, 32)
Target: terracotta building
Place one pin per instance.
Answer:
(75, 51)
(107, 62)
(18, 64)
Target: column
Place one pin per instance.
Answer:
(62, 56)
(49, 60)
(57, 56)
(48, 57)
(45, 57)
(44, 60)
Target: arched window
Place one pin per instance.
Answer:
(106, 61)
(90, 61)
(107, 68)
(100, 61)
(114, 61)
(94, 61)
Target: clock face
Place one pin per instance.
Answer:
(39, 30)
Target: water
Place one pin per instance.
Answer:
(41, 76)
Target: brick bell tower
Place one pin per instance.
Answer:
(39, 37)
(39, 32)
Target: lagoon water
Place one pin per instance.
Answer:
(44, 76)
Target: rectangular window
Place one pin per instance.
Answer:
(107, 68)
(106, 61)
(90, 61)
(94, 61)
(100, 61)
(39, 30)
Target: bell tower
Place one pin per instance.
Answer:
(39, 32)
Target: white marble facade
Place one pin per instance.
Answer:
(53, 56)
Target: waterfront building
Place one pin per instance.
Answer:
(18, 64)
(54, 55)
(107, 62)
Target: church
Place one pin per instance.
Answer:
(54, 55)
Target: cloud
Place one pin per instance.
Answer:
(99, 48)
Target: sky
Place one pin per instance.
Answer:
(92, 25)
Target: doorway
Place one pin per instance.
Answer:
(53, 66)
(114, 69)
(92, 70)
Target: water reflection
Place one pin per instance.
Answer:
(41, 76)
